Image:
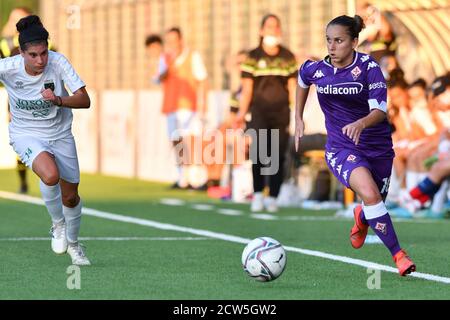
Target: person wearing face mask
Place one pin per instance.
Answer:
(352, 94)
(268, 89)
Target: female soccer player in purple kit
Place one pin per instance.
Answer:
(352, 94)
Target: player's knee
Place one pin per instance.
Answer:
(370, 196)
(70, 200)
(50, 178)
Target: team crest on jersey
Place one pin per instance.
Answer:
(356, 72)
(49, 84)
(19, 85)
(381, 227)
(262, 64)
(319, 74)
(351, 158)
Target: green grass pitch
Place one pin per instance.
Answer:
(167, 264)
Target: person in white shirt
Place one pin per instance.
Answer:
(40, 128)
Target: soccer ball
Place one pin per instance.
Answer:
(264, 259)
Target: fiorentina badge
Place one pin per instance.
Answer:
(351, 158)
(356, 72)
(381, 227)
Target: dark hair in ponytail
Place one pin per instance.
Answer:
(353, 25)
(31, 31)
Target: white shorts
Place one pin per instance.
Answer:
(182, 123)
(64, 150)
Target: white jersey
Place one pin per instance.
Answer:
(30, 113)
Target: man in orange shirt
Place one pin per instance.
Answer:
(184, 85)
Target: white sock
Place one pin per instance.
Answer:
(411, 180)
(394, 187)
(183, 176)
(73, 222)
(374, 211)
(52, 199)
(439, 198)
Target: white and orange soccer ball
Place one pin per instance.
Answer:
(264, 259)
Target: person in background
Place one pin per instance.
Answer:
(9, 46)
(184, 101)
(154, 49)
(268, 90)
(378, 38)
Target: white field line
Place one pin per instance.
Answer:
(172, 202)
(203, 207)
(263, 216)
(229, 212)
(110, 238)
(226, 237)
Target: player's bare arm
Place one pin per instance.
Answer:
(300, 100)
(79, 100)
(354, 129)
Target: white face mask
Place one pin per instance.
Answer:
(271, 41)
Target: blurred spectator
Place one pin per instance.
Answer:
(184, 86)
(9, 46)
(440, 98)
(420, 112)
(240, 57)
(268, 88)
(398, 115)
(388, 64)
(154, 49)
(418, 128)
(434, 186)
(378, 38)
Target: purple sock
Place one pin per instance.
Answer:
(363, 218)
(384, 229)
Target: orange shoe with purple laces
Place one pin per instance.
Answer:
(404, 263)
(359, 231)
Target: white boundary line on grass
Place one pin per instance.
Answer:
(265, 216)
(110, 239)
(225, 237)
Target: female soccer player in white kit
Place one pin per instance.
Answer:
(41, 128)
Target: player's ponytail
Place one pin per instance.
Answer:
(31, 31)
(359, 25)
(353, 25)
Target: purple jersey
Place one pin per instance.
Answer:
(346, 95)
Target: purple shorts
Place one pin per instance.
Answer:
(343, 161)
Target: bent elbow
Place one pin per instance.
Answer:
(87, 104)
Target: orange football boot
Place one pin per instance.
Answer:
(404, 263)
(359, 231)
